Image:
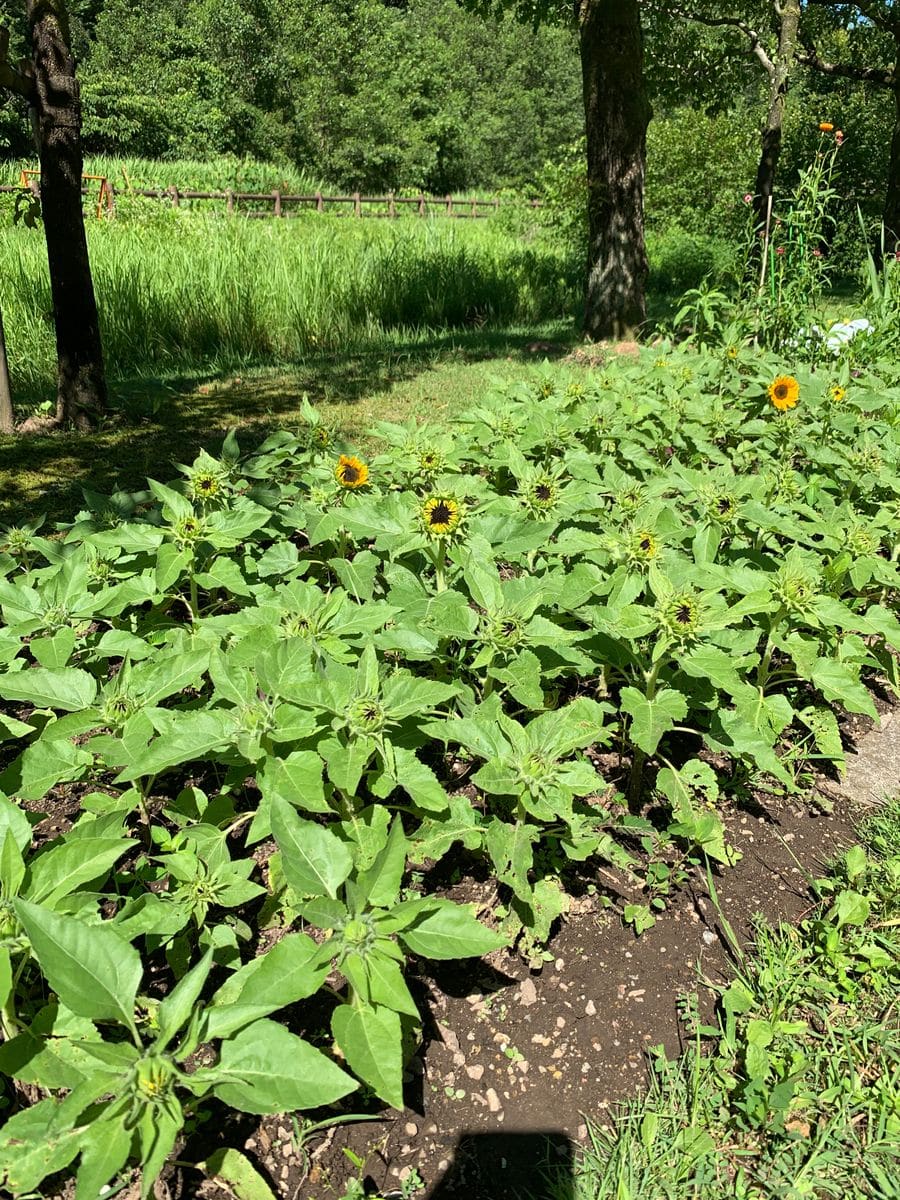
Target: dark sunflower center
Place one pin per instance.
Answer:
(542, 491)
(724, 505)
(683, 614)
(508, 628)
(781, 391)
(206, 485)
(351, 474)
(646, 544)
(440, 514)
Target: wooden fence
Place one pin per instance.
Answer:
(289, 204)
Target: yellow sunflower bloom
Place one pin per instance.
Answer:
(441, 515)
(350, 472)
(826, 126)
(784, 392)
(837, 394)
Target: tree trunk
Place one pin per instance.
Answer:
(772, 132)
(891, 215)
(81, 394)
(7, 419)
(617, 112)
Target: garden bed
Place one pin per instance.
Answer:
(333, 786)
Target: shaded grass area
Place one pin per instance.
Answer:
(796, 1092)
(164, 420)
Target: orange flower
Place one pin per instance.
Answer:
(826, 126)
(784, 392)
(350, 472)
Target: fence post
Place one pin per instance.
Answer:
(449, 206)
(392, 207)
(320, 204)
(357, 206)
(110, 198)
(229, 201)
(421, 205)
(277, 195)
(173, 192)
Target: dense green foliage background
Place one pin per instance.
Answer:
(430, 95)
(359, 92)
(373, 94)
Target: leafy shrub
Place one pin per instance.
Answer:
(680, 260)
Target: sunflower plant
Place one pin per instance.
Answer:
(285, 684)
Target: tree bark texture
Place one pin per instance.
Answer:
(81, 391)
(891, 215)
(617, 113)
(779, 79)
(7, 421)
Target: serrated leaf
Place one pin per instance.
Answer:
(434, 837)
(178, 1005)
(651, 719)
(43, 765)
(289, 972)
(419, 781)
(386, 984)
(839, 682)
(370, 1039)
(380, 884)
(297, 779)
(68, 688)
(27, 1154)
(104, 1154)
(275, 1071)
(66, 865)
(511, 849)
(93, 970)
(314, 860)
(450, 931)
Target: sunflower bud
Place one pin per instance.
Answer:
(431, 462)
(504, 631)
(794, 589)
(204, 486)
(681, 616)
(366, 717)
(187, 531)
(642, 547)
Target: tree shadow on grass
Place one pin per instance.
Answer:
(159, 421)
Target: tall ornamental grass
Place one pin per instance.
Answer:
(185, 291)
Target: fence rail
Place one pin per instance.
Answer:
(289, 204)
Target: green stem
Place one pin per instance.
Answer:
(639, 761)
(762, 674)
(440, 562)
